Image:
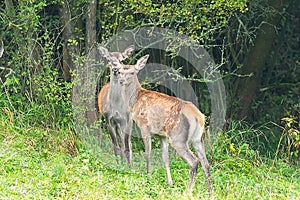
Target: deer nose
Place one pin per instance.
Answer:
(115, 70)
(121, 81)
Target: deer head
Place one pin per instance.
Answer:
(128, 73)
(114, 58)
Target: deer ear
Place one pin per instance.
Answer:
(128, 52)
(104, 52)
(110, 57)
(141, 62)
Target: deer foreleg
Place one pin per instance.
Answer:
(128, 145)
(165, 157)
(147, 141)
(113, 136)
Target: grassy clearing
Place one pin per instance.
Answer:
(38, 164)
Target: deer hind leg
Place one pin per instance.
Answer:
(165, 157)
(183, 150)
(198, 144)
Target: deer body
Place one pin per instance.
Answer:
(172, 119)
(113, 106)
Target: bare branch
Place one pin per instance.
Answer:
(1, 49)
(7, 69)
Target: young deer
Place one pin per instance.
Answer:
(170, 118)
(113, 106)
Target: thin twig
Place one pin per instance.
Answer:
(7, 95)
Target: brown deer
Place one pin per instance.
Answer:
(113, 106)
(172, 119)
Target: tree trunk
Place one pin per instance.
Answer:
(84, 81)
(70, 55)
(90, 86)
(255, 61)
(69, 49)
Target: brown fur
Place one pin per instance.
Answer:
(101, 97)
(149, 103)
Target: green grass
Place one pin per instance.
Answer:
(38, 164)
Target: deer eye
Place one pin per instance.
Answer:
(132, 73)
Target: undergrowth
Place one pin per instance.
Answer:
(41, 163)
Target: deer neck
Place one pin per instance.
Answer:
(115, 90)
(132, 91)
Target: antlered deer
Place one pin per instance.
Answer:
(170, 118)
(113, 106)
